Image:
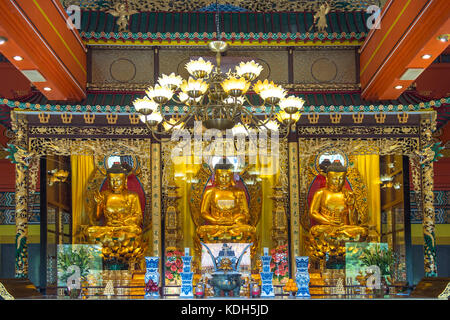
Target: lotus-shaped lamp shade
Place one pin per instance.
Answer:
(288, 118)
(184, 98)
(249, 70)
(172, 81)
(159, 94)
(239, 129)
(152, 119)
(199, 68)
(235, 87)
(145, 105)
(272, 125)
(169, 125)
(291, 104)
(194, 88)
(269, 91)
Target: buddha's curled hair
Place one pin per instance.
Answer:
(336, 166)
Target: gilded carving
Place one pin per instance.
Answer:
(313, 118)
(123, 12)
(403, 117)
(44, 117)
(380, 117)
(424, 163)
(24, 159)
(257, 5)
(355, 130)
(66, 117)
(89, 131)
(89, 118)
(358, 117)
(99, 146)
(112, 118)
(320, 20)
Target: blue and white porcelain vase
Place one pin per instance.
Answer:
(187, 291)
(152, 273)
(266, 277)
(302, 277)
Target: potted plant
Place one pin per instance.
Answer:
(384, 258)
(68, 257)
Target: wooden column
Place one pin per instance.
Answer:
(291, 64)
(155, 64)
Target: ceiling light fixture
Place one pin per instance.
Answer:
(426, 56)
(218, 99)
(47, 89)
(443, 37)
(18, 58)
(398, 87)
(3, 40)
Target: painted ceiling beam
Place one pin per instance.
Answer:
(392, 56)
(53, 55)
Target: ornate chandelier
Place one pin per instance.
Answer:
(219, 100)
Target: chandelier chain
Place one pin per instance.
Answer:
(219, 36)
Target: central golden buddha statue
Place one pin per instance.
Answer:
(120, 209)
(333, 209)
(224, 209)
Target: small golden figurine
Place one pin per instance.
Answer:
(121, 11)
(335, 215)
(121, 210)
(321, 15)
(245, 289)
(56, 175)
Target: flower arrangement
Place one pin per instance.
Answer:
(151, 286)
(279, 264)
(174, 265)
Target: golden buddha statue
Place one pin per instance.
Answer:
(120, 209)
(225, 211)
(335, 215)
